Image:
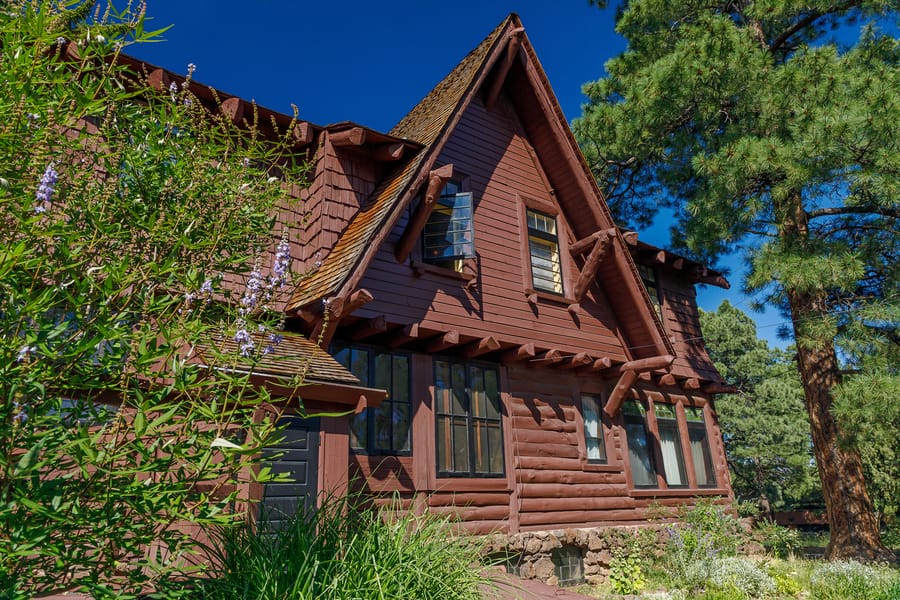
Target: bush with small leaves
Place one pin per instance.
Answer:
(840, 580)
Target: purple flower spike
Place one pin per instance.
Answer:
(47, 185)
(245, 342)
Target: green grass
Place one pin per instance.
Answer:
(342, 552)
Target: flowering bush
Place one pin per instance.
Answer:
(850, 579)
(120, 207)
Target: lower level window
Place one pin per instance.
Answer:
(670, 445)
(385, 429)
(468, 436)
(703, 464)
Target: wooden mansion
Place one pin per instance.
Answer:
(515, 358)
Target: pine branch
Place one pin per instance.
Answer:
(891, 212)
(806, 22)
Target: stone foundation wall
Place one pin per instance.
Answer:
(530, 554)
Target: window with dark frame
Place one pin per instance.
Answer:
(643, 473)
(648, 276)
(670, 445)
(384, 429)
(700, 452)
(468, 432)
(543, 248)
(593, 429)
(449, 235)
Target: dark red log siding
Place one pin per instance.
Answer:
(548, 483)
(500, 170)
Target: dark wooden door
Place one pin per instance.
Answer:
(299, 459)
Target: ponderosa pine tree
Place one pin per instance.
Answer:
(764, 425)
(762, 129)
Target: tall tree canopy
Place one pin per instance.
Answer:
(763, 131)
(764, 425)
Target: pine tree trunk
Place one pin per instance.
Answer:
(851, 515)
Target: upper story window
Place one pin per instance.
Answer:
(468, 434)
(385, 429)
(700, 452)
(593, 429)
(543, 246)
(449, 236)
(648, 276)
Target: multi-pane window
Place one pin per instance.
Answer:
(593, 429)
(648, 276)
(449, 236)
(703, 463)
(468, 435)
(383, 429)
(639, 451)
(543, 246)
(670, 445)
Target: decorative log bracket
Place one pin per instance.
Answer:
(629, 374)
(335, 308)
(599, 243)
(519, 354)
(512, 51)
(437, 179)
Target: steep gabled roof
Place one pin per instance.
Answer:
(431, 122)
(423, 124)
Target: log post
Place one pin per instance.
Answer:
(592, 263)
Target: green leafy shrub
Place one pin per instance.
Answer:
(626, 570)
(840, 580)
(778, 541)
(120, 206)
(343, 551)
(712, 520)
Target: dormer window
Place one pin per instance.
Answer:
(449, 236)
(543, 246)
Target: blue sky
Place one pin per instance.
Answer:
(370, 62)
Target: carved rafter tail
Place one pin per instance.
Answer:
(368, 328)
(437, 179)
(512, 51)
(442, 342)
(518, 354)
(482, 346)
(406, 334)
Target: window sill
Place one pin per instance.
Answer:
(548, 296)
(445, 483)
(677, 492)
(602, 468)
(421, 268)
